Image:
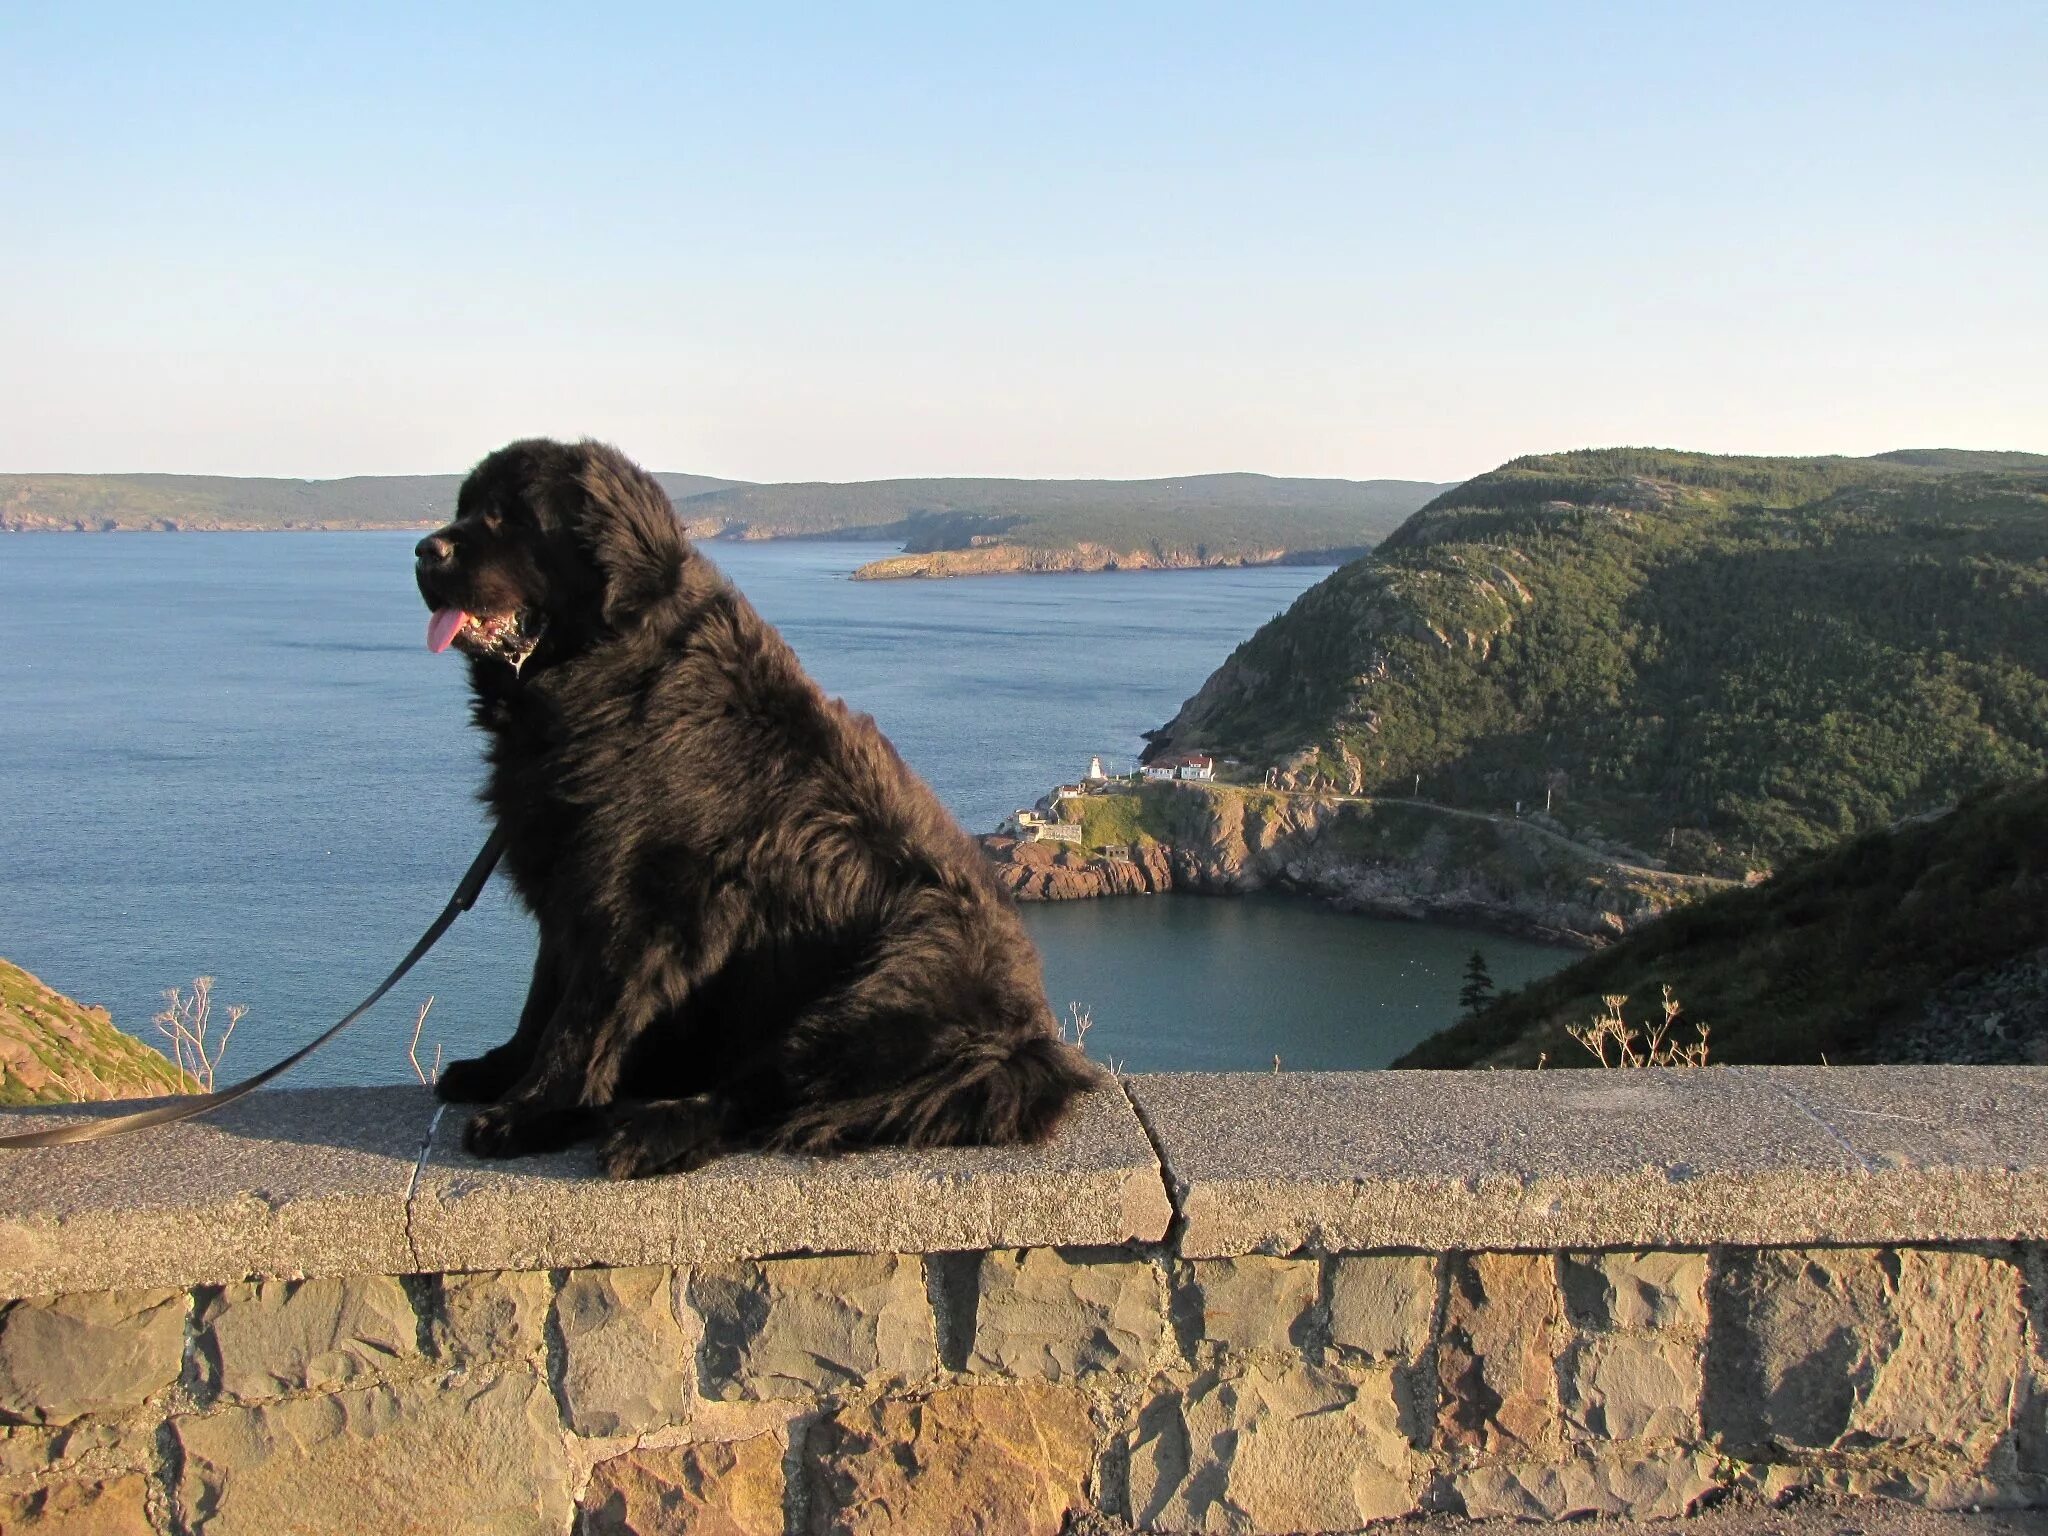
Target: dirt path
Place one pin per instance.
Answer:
(1703, 882)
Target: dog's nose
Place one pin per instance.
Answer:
(433, 550)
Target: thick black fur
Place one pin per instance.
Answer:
(758, 928)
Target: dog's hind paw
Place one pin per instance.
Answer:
(518, 1129)
(662, 1136)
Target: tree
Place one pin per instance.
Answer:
(1478, 989)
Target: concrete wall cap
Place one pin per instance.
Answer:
(373, 1180)
(1344, 1161)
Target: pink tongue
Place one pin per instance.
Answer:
(443, 627)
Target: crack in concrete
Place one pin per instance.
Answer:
(1178, 1224)
(412, 1185)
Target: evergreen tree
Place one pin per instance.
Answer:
(1478, 989)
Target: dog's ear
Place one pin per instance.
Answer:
(631, 532)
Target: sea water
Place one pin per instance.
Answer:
(232, 755)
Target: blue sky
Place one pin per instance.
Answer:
(843, 242)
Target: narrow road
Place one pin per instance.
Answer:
(1592, 855)
(1704, 882)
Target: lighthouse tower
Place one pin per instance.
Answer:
(1095, 773)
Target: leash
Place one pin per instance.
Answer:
(198, 1104)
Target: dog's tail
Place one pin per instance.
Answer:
(995, 1093)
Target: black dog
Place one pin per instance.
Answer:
(758, 928)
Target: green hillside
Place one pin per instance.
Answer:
(56, 1051)
(1720, 660)
(128, 503)
(1840, 956)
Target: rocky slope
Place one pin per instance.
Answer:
(1926, 941)
(54, 1050)
(1727, 659)
(1384, 858)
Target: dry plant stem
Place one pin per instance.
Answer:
(1646, 1047)
(1076, 1025)
(187, 1022)
(412, 1051)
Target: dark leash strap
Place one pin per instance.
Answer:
(198, 1104)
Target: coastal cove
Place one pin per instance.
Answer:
(233, 756)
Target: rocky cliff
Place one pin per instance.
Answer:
(1386, 858)
(55, 1051)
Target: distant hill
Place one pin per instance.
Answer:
(989, 525)
(1717, 660)
(56, 1051)
(947, 527)
(1928, 941)
(131, 503)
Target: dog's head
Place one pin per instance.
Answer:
(555, 542)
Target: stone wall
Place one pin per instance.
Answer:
(1245, 1350)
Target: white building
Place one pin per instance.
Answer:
(1196, 766)
(1032, 827)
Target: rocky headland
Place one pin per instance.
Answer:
(1381, 857)
(1084, 556)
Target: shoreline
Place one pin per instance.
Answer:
(1482, 919)
(1380, 858)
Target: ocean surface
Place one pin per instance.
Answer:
(232, 755)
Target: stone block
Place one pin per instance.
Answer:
(1273, 1449)
(720, 1488)
(627, 1347)
(495, 1316)
(1254, 1303)
(1497, 1357)
(1633, 1386)
(454, 1458)
(86, 1448)
(27, 1449)
(1798, 1337)
(1816, 1349)
(63, 1357)
(1333, 1162)
(1383, 1305)
(794, 1327)
(274, 1337)
(1055, 1316)
(1096, 1182)
(1009, 1460)
(1631, 1487)
(2030, 1439)
(284, 1182)
(1609, 1292)
(116, 1506)
(1957, 1373)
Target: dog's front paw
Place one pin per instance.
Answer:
(476, 1080)
(517, 1129)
